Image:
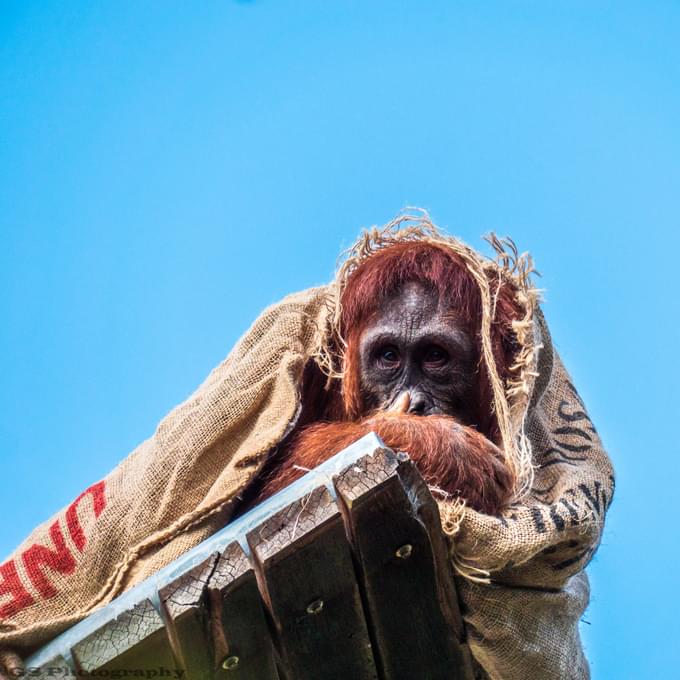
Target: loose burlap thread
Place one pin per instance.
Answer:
(521, 578)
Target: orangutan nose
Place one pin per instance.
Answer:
(420, 404)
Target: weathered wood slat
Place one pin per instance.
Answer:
(216, 622)
(406, 580)
(188, 620)
(242, 645)
(135, 640)
(304, 568)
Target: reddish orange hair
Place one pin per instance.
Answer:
(456, 459)
(443, 271)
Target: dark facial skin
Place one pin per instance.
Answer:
(416, 346)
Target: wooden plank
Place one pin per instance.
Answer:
(242, 646)
(134, 641)
(305, 573)
(407, 582)
(188, 621)
(216, 622)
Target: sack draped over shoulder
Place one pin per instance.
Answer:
(523, 623)
(521, 578)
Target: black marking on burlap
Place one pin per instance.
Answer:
(570, 417)
(557, 520)
(577, 424)
(562, 457)
(560, 462)
(573, 430)
(572, 560)
(575, 415)
(605, 502)
(511, 517)
(537, 516)
(574, 448)
(573, 514)
(562, 454)
(593, 499)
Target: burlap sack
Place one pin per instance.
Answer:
(521, 578)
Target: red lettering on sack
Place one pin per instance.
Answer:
(75, 529)
(37, 557)
(10, 584)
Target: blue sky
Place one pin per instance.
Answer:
(167, 170)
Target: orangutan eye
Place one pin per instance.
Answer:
(388, 356)
(435, 356)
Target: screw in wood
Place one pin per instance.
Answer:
(315, 607)
(230, 663)
(404, 552)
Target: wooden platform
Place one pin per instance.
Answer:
(342, 575)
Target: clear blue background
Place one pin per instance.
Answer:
(168, 169)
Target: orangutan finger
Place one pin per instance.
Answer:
(401, 403)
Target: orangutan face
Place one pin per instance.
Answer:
(416, 345)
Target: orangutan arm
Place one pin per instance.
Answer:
(450, 456)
